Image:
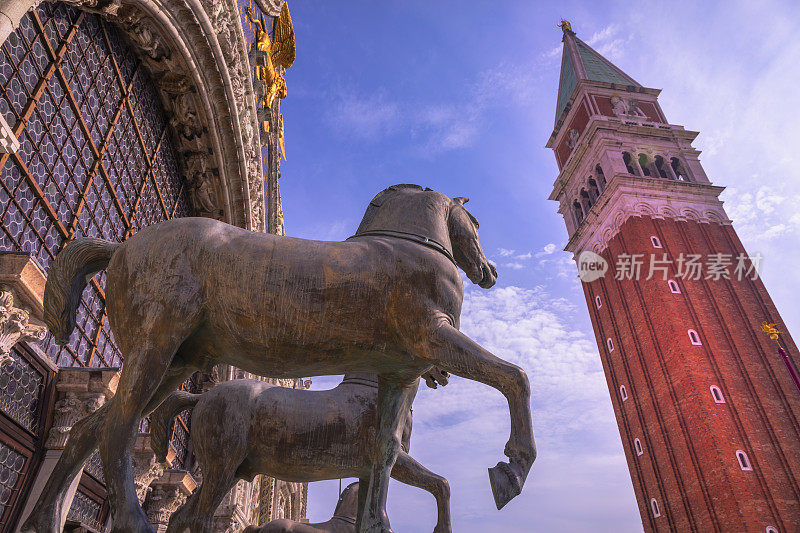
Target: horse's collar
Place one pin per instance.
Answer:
(345, 518)
(355, 380)
(413, 237)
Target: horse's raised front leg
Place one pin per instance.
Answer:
(394, 398)
(453, 351)
(407, 470)
(45, 517)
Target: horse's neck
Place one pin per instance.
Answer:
(422, 214)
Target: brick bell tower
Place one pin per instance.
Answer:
(708, 411)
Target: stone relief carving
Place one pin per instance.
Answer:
(572, 141)
(625, 108)
(146, 468)
(200, 184)
(15, 326)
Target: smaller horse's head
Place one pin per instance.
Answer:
(467, 250)
(347, 506)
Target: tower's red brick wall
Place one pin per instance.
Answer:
(689, 442)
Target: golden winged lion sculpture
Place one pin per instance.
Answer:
(279, 51)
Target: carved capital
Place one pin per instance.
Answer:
(146, 468)
(15, 326)
(168, 493)
(80, 392)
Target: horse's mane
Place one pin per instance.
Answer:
(377, 201)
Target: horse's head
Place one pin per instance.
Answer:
(347, 505)
(467, 250)
(422, 214)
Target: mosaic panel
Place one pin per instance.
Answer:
(11, 466)
(86, 510)
(77, 97)
(20, 387)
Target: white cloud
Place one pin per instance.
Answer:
(504, 252)
(367, 117)
(514, 266)
(549, 248)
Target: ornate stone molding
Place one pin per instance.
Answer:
(15, 326)
(146, 468)
(628, 196)
(168, 493)
(196, 52)
(80, 391)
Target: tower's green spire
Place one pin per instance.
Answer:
(580, 62)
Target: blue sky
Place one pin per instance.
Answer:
(460, 97)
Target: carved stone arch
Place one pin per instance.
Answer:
(607, 234)
(691, 214)
(196, 53)
(644, 209)
(619, 219)
(713, 217)
(668, 212)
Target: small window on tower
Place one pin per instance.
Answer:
(654, 507)
(673, 287)
(744, 462)
(610, 345)
(638, 445)
(694, 337)
(623, 393)
(597, 302)
(771, 529)
(717, 394)
(656, 242)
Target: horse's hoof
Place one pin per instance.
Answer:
(505, 484)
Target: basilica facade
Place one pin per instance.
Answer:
(115, 115)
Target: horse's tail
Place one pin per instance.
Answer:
(161, 420)
(71, 270)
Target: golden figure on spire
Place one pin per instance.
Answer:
(279, 52)
(771, 330)
(565, 26)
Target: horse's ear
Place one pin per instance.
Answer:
(460, 200)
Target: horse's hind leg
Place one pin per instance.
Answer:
(149, 349)
(453, 351)
(394, 397)
(82, 443)
(407, 470)
(197, 514)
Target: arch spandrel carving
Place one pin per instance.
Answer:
(196, 52)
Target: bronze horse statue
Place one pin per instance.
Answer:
(342, 521)
(189, 293)
(246, 427)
